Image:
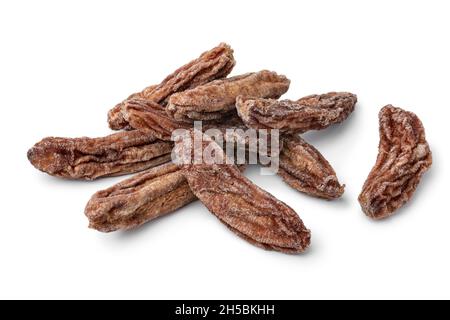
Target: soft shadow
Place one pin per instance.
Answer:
(335, 131)
(309, 251)
(53, 181)
(129, 235)
(345, 201)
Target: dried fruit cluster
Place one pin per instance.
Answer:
(200, 90)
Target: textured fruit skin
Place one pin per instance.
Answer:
(314, 112)
(404, 156)
(214, 64)
(250, 212)
(218, 98)
(305, 169)
(144, 197)
(91, 158)
(139, 199)
(151, 117)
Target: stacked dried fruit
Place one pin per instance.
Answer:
(200, 91)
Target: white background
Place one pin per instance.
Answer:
(63, 65)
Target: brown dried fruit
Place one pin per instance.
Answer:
(139, 199)
(404, 156)
(247, 210)
(116, 120)
(305, 169)
(214, 64)
(313, 112)
(91, 158)
(117, 115)
(150, 116)
(144, 197)
(214, 99)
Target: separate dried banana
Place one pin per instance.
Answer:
(404, 156)
(313, 112)
(91, 158)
